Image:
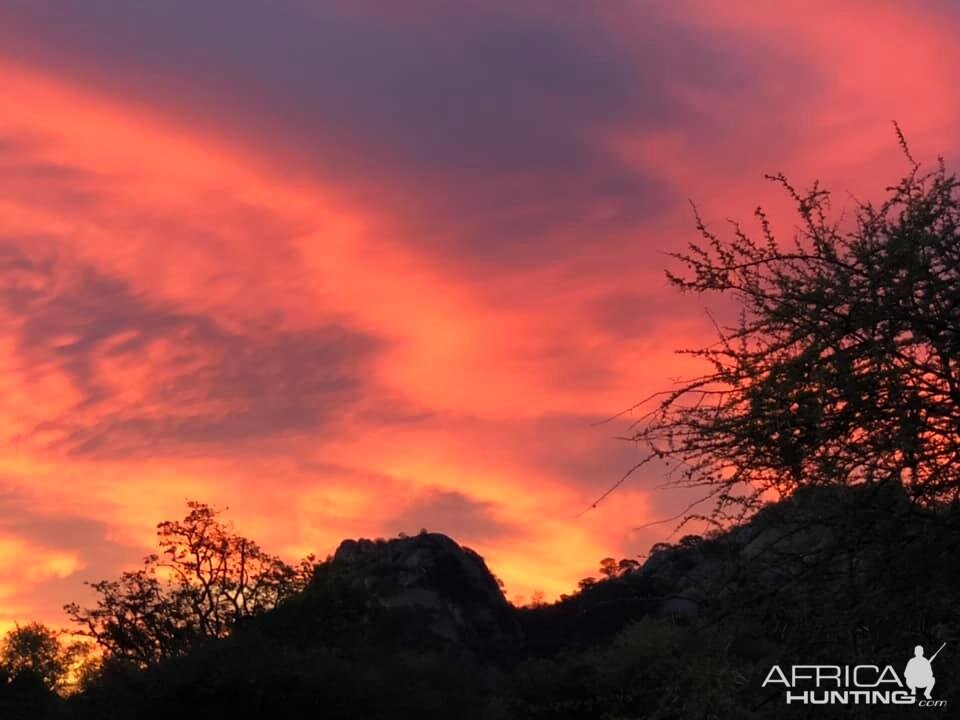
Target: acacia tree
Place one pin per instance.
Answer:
(205, 580)
(844, 364)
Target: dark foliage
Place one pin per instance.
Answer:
(36, 652)
(804, 582)
(690, 633)
(844, 367)
(204, 581)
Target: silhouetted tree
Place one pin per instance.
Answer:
(205, 580)
(608, 567)
(35, 650)
(586, 582)
(844, 365)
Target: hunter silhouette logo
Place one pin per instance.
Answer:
(859, 684)
(919, 672)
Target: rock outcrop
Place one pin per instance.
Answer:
(443, 589)
(810, 534)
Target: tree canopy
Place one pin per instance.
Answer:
(844, 364)
(205, 579)
(36, 650)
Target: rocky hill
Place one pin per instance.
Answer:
(430, 576)
(417, 627)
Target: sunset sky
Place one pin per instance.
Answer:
(354, 268)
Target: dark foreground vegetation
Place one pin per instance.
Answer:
(417, 628)
(837, 390)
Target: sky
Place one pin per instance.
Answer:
(355, 268)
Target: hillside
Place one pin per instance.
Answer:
(417, 627)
